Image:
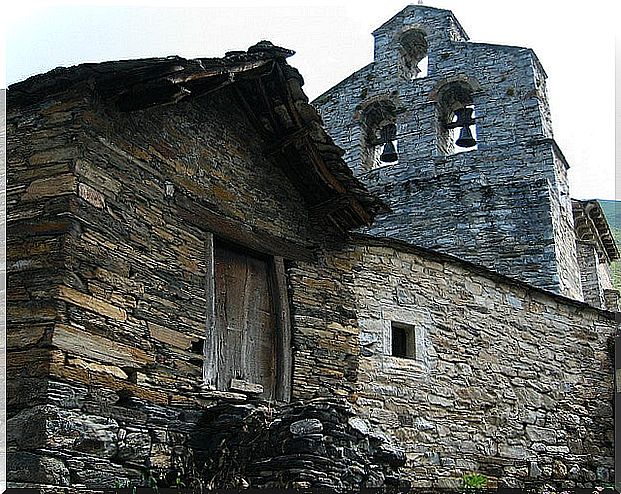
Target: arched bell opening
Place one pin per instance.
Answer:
(380, 135)
(414, 51)
(456, 117)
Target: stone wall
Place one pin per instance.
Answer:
(97, 439)
(87, 437)
(597, 251)
(317, 444)
(40, 188)
(493, 233)
(325, 326)
(111, 216)
(505, 380)
(107, 275)
(589, 273)
(514, 156)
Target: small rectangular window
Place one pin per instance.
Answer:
(403, 340)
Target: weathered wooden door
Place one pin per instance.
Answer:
(245, 321)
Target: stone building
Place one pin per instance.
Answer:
(504, 203)
(596, 249)
(202, 292)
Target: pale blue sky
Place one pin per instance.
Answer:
(574, 41)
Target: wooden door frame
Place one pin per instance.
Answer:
(277, 280)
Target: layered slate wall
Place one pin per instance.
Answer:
(41, 187)
(111, 217)
(505, 204)
(108, 249)
(500, 378)
(590, 272)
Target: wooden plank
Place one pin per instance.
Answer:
(249, 110)
(284, 356)
(260, 353)
(232, 300)
(229, 296)
(244, 318)
(246, 387)
(329, 178)
(212, 344)
(287, 140)
(239, 233)
(268, 105)
(291, 106)
(308, 148)
(210, 394)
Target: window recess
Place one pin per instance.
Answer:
(403, 340)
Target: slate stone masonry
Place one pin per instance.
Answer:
(507, 381)
(110, 217)
(107, 270)
(504, 204)
(319, 443)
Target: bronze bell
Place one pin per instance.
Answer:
(464, 120)
(465, 139)
(389, 153)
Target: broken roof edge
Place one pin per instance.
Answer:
(144, 83)
(441, 257)
(141, 70)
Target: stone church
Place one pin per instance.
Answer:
(214, 283)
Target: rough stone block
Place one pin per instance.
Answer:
(34, 468)
(306, 427)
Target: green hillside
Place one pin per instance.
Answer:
(612, 211)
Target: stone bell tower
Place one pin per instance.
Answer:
(456, 138)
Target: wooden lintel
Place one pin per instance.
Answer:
(237, 232)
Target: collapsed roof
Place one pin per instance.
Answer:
(266, 87)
